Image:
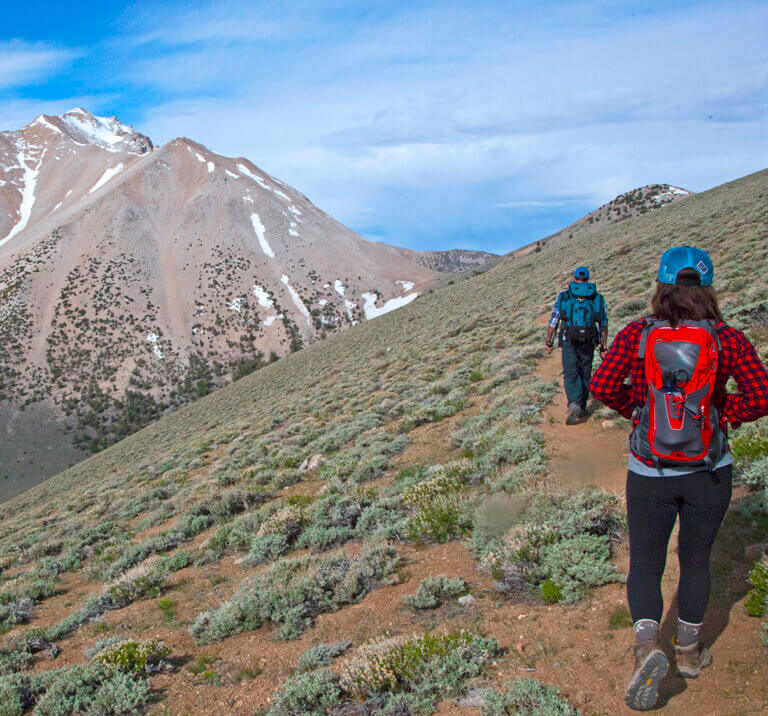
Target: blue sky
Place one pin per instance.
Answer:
(433, 125)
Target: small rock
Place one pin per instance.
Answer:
(608, 424)
(521, 616)
(467, 600)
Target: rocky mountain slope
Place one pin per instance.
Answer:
(390, 519)
(453, 260)
(135, 278)
(636, 202)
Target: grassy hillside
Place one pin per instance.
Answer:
(298, 493)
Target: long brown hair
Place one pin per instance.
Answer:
(676, 303)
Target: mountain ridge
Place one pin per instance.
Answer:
(137, 277)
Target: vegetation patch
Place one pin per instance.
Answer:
(399, 675)
(294, 591)
(321, 655)
(757, 598)
(434, 591)
(527, 697)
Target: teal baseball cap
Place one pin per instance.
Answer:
(686, 257)
(582, 272)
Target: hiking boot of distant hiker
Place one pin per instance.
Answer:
(651, 665)
(692, 659)
(574, 414)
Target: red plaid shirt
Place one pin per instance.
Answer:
(738, 358)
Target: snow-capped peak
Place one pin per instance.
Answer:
(106, 132)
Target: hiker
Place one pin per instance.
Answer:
(678, 361)
(578, 312)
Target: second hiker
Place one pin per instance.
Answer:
(580, 321)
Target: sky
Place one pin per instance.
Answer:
(430, 125)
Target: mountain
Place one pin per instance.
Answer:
(135, 278)
(453, 260)
(268, 518)
(636, 202)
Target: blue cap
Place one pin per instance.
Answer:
(582, 272)
(682, 257)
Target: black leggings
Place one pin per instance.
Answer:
(653, 504)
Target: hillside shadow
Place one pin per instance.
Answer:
(729, 572)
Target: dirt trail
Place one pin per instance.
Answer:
(584, 454)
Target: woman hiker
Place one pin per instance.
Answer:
(678, 361)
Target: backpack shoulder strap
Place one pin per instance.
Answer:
(565, 304)
(712, 327)
(648, 325)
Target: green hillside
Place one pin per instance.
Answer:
(333, 473)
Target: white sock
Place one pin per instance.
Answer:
(687, 633)
(646, 629)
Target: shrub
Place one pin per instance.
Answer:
(294, 591)
(433, 591)
(313, 693)
(15, 612)
(551, 544)
(321, 655)
(14, 657)
(89, 689)
(432, 666)
(527, 697)
(145, 583)
(757, 599)
(134, 657)
(577, 564)
(751, 443)
(550, 592)
(437, 506)
(755, 476)
(267, 548)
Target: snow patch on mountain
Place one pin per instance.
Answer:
(296, 299)
(29, 182)
(339, 287)
(372, 311)
(407, 285)
(106, 176)
(262, 297)
(153, 338)
(106, 132)
(45, 123)
(258, 229)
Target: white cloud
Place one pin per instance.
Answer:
(22, 63)
(414, 122)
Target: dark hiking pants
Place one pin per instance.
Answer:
(577, 372)
(654, 504)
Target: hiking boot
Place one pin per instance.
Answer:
(574, 414)
(651, 665)
(692, 659)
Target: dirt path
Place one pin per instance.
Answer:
(584, 454)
